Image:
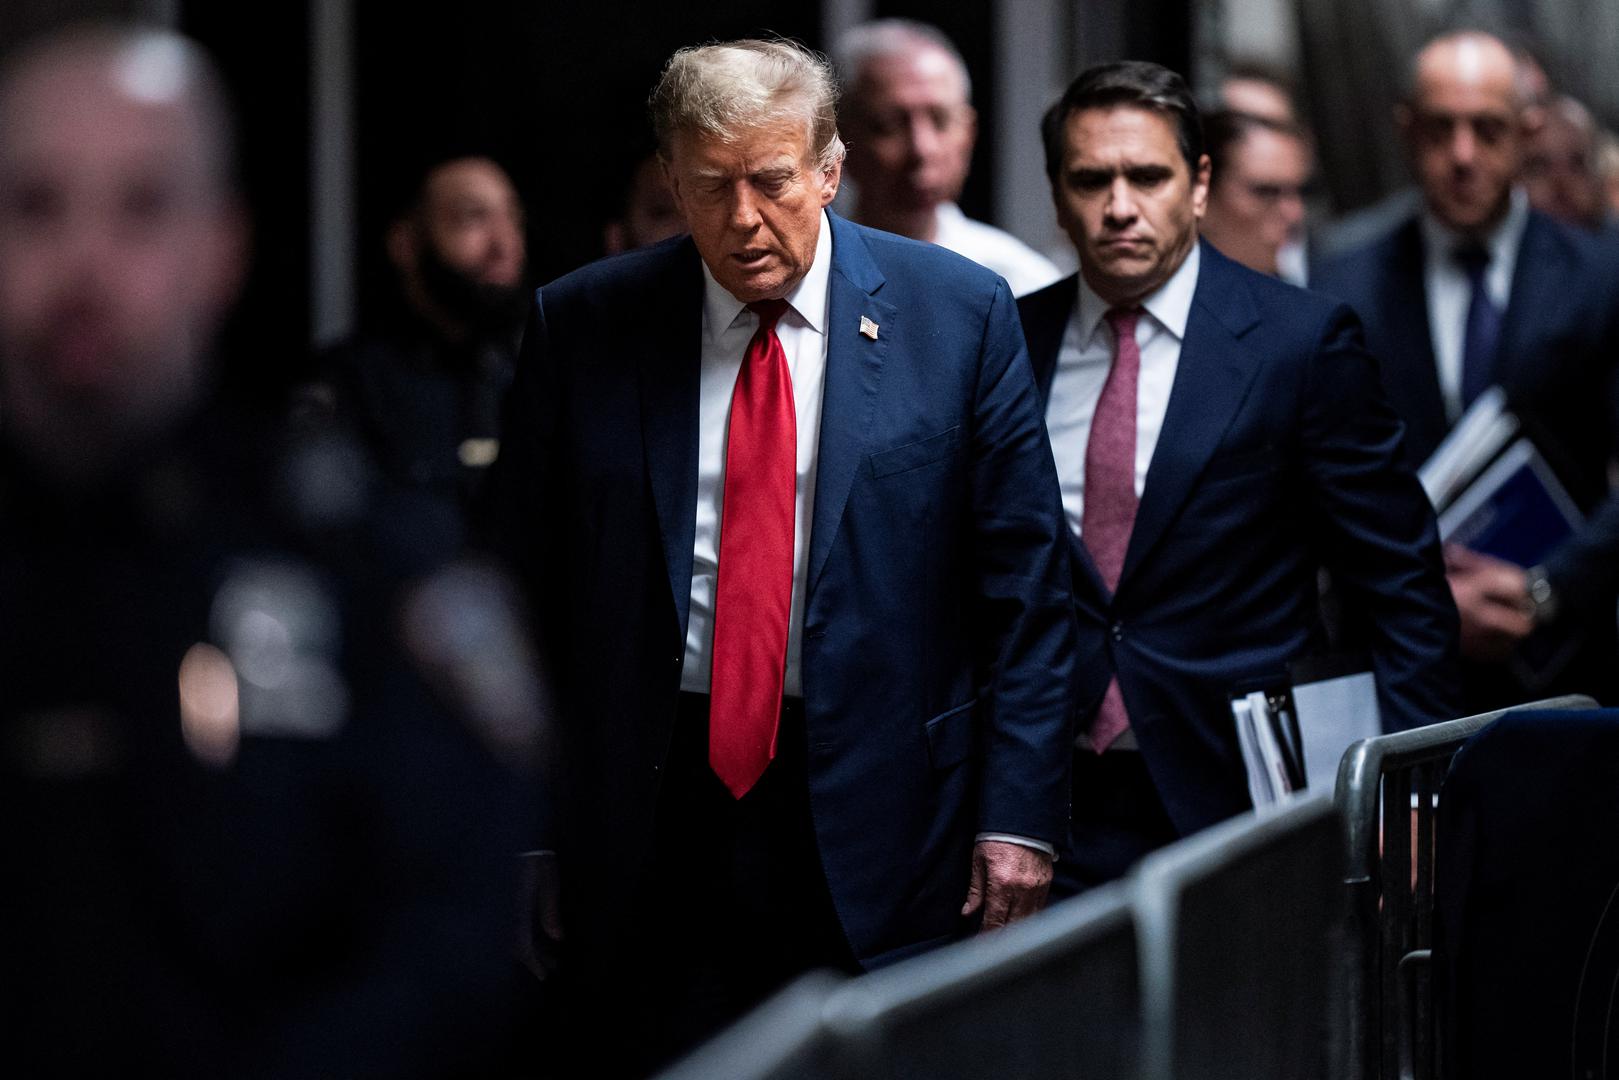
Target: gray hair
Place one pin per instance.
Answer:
(726, 89)
(860, 45)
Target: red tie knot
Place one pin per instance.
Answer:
(1123, 321)
(769, 312)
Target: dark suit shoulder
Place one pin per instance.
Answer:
(610, 282)
(1056, 298)
(1356, 271)
(918, 262)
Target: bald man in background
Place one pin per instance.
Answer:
(908, 110)
(1477, 290)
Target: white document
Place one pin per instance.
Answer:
(1478, 436)
(1333, 715)
(1259, 789)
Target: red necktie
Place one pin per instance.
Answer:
(1110, 491)
(754, 594)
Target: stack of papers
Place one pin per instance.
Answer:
(1271, 748)
(1494, 491)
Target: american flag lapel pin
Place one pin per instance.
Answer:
(868, 328)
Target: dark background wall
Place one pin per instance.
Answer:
(555, 91)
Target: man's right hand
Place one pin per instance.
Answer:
(539, 921)
(1492, 598)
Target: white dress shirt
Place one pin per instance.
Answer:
(728, 326)
(1450, 291)
(1025, 269)
(1083, 362)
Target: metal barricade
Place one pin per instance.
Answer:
(1055, 995)
(1236, 925)
(1386, 792)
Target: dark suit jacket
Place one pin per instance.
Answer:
(1559, 343)
(938, 644)
(1278, 454)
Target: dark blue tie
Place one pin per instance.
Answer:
(1483, 332)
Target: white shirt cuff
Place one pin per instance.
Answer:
(1020, 841)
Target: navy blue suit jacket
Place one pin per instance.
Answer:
(1278, 455)
(938, 646)
(1559, 344)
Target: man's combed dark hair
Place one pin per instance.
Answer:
(1127, 82)
(1225, 129)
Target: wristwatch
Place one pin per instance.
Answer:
(1542, 595)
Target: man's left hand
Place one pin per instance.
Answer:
(1009, 881)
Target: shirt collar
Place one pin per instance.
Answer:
(808, 298)
(1170, 304)
(1502, 242)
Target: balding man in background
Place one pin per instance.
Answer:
(911, 125)
(243, 838)
(1480, 290)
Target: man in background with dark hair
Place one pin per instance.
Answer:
(1219, 436)
(422, 386)
(1259, 169)
(646, 212)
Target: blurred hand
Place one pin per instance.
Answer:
(1492, 598)
(1009, 881)
(539, 916)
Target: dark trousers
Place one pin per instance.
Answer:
(734, 903)
(1117, 818)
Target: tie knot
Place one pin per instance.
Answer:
(1472, 258)
(769, 312)
(1123, 321)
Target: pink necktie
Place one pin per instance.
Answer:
(753, 596)
(1110, 491)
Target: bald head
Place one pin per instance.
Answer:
(1465, 126)
(910, 121)
(121, 244)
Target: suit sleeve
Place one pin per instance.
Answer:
(1024, 615)
(509, 519)
(1376, 529)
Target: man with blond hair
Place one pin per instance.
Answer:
(834, 731)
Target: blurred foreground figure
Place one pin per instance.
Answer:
(244, 837)
(421, 387)
(911, 132)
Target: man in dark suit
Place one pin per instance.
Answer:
(831, 731)
(1480, 290)
(1218, 435)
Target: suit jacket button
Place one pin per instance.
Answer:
(1118, 631)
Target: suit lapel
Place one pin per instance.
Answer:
(1539, 280)
(854, 365)
(670, 364)
(1411, 375)
(1045, 317)
(1211, 381)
